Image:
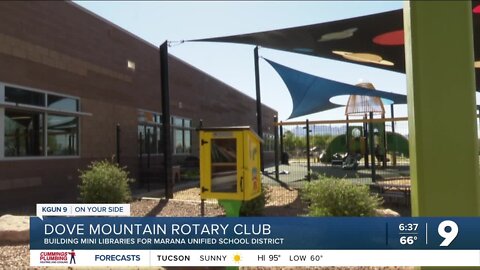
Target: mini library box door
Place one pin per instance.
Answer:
(229, 163)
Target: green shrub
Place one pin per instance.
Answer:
(104, 182)
(337, 197)
(256, 206)
(314, 176)
(190, 173)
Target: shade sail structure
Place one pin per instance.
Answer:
(375, 40)
(312, 94)
(350, 35)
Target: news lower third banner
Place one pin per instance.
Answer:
(263, 241)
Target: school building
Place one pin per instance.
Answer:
(67, 79)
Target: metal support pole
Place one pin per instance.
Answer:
(202, 201)
(148, 147)
(372, 147)
(348, 138)
(365, 135)
(394, 142)
(140, 135)
(147, 151)
(167, 146)
(117, 137)
(275, 138)
(259, 105)
(281, 143)
(384, 154)
(308, 149)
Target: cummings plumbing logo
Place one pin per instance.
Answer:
(58, 257)
(72, 257)
(54, 257)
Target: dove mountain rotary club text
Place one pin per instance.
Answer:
(139, 229)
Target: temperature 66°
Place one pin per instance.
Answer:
(408, 240)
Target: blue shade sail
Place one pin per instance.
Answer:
(312, 94)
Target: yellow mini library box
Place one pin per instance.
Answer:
(230, 163)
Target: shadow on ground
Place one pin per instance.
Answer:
(157, 209)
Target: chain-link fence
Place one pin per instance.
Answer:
(371, 152)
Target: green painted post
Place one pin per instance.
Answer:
(232, 208)
(441, 107)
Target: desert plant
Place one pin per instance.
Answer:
(190, 173)
(104, 182)
(314, 176)
(338, 197)
(255, 206)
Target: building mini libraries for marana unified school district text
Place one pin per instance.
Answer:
(68, 77)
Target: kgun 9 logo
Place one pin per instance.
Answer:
(448, 230)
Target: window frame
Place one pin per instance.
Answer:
(182, 128)
(77, 137)
(155, 125)
(43, 110)
(173, 127)
(268, 142)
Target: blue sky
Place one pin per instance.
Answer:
(156, 22)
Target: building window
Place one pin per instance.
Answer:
(182, 135)
(268, 142)
(23, 133)
(27, 97)
(63, 103)
(62, 135)
(149, 132)
(38, 123)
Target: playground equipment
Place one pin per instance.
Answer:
(359, 105)
(396, 144)
(230, 166)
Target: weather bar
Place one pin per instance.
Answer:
(256, 258)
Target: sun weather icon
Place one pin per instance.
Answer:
(237, 258)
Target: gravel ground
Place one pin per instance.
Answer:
(330, 267)
(14, 257)
(400, 182)
(186, 203)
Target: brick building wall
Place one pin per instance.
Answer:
(61, 48)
